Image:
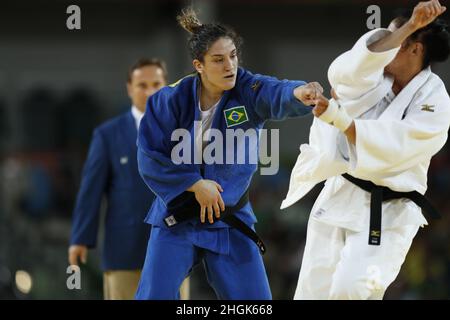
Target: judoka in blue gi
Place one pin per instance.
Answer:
(111, 170)
(223, 97)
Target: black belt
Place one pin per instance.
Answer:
(378, 194)
(190, 209)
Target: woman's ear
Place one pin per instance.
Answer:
(418, 48)
(197, 65)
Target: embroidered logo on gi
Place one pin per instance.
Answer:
(375, 233)
(255, 85)
(235, 116)
(123, 160)
(427, 107)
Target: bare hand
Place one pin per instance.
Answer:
(321, 105)
(425, 12)
(207, 194)
(334, 94)
(77, 252)
(308, 93)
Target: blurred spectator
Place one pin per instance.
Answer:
(39, 122)
(78, 115)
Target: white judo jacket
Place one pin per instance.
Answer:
(393, 149)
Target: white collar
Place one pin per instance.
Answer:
(137, 115)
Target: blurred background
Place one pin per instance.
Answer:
(57, 84)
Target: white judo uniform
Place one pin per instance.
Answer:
(396, 136)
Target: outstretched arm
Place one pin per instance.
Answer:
(424, 13)
(329, 111)
(275, 99)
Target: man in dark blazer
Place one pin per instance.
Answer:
(111, 170)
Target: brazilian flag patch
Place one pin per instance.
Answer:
(235, 116)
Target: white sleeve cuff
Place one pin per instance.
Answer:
(337, 116)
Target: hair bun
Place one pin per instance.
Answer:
(188, 20)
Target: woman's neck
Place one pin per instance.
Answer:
(209, 96)
(402, 79)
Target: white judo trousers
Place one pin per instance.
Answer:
(396, 138)
(339, 265)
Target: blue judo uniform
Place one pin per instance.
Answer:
(233, 264)
(111, 170)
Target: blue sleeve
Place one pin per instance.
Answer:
(93, 182)
(165, 178)
(272, 99)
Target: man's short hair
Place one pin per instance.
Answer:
(144, 62)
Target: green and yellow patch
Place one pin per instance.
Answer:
(235, 116)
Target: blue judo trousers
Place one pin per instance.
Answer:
(233, 264)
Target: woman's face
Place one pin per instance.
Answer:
(409, 55)
(219, 67)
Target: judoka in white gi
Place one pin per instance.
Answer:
(390, 114)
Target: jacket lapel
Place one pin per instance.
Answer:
(398, 106)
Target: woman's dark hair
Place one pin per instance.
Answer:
(434, 37)
(203, 36)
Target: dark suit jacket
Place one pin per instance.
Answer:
(111, 170)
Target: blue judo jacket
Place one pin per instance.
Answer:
(254, 99)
